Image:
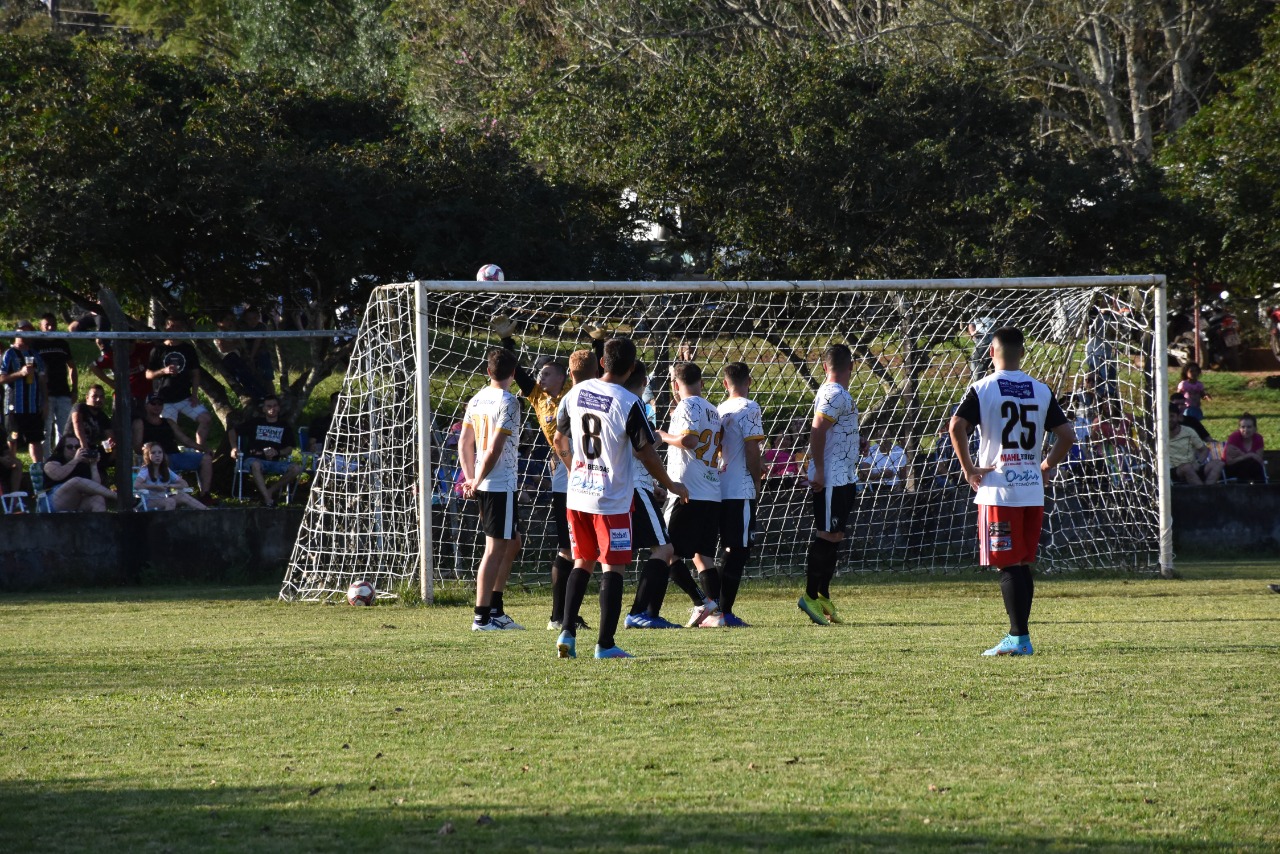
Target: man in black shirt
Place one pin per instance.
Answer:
(174, 370)
(266, 442)
(61, 377)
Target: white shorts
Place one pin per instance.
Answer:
(185, 407)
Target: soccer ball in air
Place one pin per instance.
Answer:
(361, 593)
(490, 273)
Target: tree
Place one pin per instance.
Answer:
(200, 189)
(1225, 160)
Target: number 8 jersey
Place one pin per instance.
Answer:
(605, 424)
(1014, 413)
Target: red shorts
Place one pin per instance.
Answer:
(594, 537)
(1008, 536)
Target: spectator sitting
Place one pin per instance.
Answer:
(266, 444)
(152, 428)
(1190, 420)
(155, 478)
(1243, 452)
(93, 428)
(71, 478)
(882, 465)
(1189, 457)
(1115, 429)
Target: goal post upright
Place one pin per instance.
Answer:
(426, 477)
(1160, 373)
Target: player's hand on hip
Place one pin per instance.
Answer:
(681, 490)
(975, 476)
(818, 482)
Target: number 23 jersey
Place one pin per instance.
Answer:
(698, 469)
(1013, 413)
(605, 424)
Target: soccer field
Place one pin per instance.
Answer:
(222, 720)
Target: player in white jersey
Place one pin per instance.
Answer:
(693, 458)
(648, 530)
(742, 423)
(833, 475)
(488, 451)
(545, 392)
(596, 433)
(1013, 414)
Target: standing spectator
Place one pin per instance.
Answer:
(258, 350)
(1100, 361)
(103, 368)
(980, 330)
(243, 378)
(1192, 391)
(150, 428)
(174, 369)
(93, 428)
(1189, 457)
(22, 371)
(1243, 453)
(266, 444)
(71, 478)
(60, 368)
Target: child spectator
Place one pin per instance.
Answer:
(156, 479)
(1192, 391)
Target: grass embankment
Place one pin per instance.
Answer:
(223, 720)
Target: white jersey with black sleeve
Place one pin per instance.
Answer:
(606, 425)
(1013, 413)
(491, 412)
(840, 454)
(742, 422)
(697, 468)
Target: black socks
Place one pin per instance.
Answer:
(1018, 589)
(820, 568)
(735, 561)
(679, 573)
(610, 606)
(561, 567)
(575, 592)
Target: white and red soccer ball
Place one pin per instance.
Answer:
(490, 273)
(361, 593)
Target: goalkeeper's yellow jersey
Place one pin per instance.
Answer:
(545, 406)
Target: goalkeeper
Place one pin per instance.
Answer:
(544, 393)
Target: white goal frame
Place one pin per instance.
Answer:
(424, 290)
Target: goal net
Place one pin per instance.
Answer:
(385, 505)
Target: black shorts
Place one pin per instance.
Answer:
(694, 527)
(498, 517)
(25, 428)
(737, 522)
(560, 513)
(648, 530)
(831, 508)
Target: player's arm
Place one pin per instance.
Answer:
(818, 448)
(642, 441)
(505, 329)
(490, 458)
(967, 416)
(688, 441)
(562, 441)
(1064, 436)
(467, 457)
(755, 459)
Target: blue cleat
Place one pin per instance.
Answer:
(733, 621)
(1012, 645)
(566, 646)
(662, 623)
(611, 652)
(636, 621)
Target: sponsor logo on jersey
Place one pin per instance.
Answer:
(1009, 388)
(619, 539)
(591, 400)
(1022, 477)
(1000, 537)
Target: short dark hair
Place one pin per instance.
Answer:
(619, 356)
(50, 316)
(1248, 417)
(636, 381)
(686, 373)
(501, 363)
(264, 400)
(737, 373)
(1010, 339)
(837, 356)
(547, 362)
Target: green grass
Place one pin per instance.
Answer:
(1233, 394)
(222, 720)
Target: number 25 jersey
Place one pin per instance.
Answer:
(605, 424)
(1013, 413)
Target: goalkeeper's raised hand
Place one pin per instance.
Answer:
(502, 326)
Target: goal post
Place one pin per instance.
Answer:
(385, 507)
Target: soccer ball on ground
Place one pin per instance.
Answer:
(361, 593)
(490, 273)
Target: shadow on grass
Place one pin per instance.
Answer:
(92, 815)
